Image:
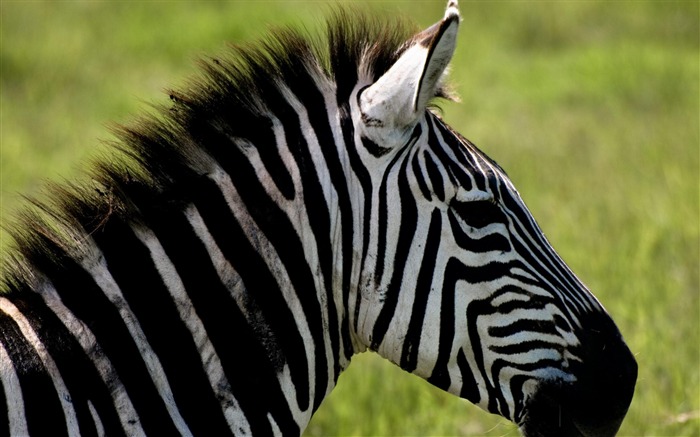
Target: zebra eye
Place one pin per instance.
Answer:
(478, 213)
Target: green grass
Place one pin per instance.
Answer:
(592, 108)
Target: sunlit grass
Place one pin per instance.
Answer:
(591, 107)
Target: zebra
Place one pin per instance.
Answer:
(297, 204)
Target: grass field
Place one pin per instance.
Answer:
(592, 107)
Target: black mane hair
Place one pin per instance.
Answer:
(159, 159)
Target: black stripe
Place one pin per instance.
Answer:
(524, 224)
(486, 243)
(374, 149)
(562, 324)
(475, 309)
(262, 136)
(534, 302)
(435, 177)
(501, 405)
(365, 180)
(216, 308)
(470, 388)
(41, 405)
(320, 118)
(79, 373)
(499, 364)
(384, 202)
(518, 393)
(131, 266)
(548, 281)
(537, 266)
(497, 402)
(525, 347)
(317, 210)
(382, 224)
(409, 355)
(324, 133)
(460, 149)
(418, 173)
(407, 230)
(486, 273)
(440, 376)
(81, 295)
(457, 171)
(276, 226)
(249, 366)
(524, 325)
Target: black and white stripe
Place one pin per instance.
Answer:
(277, 219)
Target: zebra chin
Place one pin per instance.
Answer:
(597, 402)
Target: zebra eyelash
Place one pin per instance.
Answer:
(478, 213)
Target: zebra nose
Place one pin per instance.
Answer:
(604, 389)
(597, 402)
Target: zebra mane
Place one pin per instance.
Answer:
(159, 157)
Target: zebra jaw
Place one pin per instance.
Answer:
(391, 107)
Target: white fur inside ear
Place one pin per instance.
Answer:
(389, 101)
(390, 107)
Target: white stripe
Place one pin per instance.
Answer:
(329, 90)
(96, 418)
(393, 342)
(48, 362)
(431, 125)
(229, 277)
(103, 278)
(304, 228)
(269, 254)
(210, 360)
(125, 409)
(275, 428)
(428, 351)
(13, 395)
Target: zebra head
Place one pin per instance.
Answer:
(459, 284)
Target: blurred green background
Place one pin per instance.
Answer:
(591, 107)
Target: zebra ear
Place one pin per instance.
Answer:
(393, 104)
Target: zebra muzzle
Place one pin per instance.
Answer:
(597, 402)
